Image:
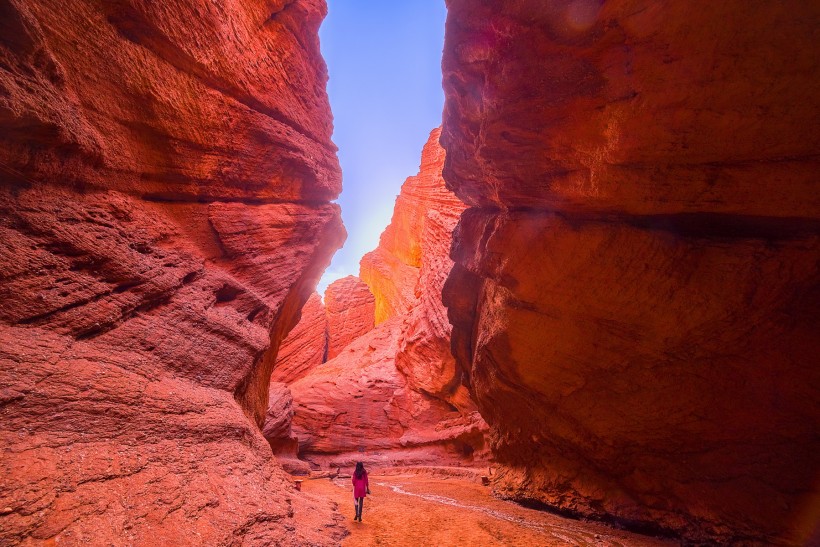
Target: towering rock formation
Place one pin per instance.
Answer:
(392, 269)
(305, 346)
(394, 395)
(166, 173)
(358, 406)
(322, 332)
(636, 293)
(419, 235)
(350, 312)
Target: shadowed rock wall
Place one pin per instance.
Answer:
(636, 293)
(166, 173)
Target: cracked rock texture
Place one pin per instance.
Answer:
(635, 295)
(394, 395)
(164, 210)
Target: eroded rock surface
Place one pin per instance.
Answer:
(350, 310)
(305, 346)
(394, 395)
(166, 172)
(358, 406)
(322, 332)
(426, 215)
(636, 289)
(392, 269)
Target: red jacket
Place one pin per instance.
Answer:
(360, 486)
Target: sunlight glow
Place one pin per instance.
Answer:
(384, 61)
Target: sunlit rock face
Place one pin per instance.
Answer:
(350, 312)
(166, 171)
(392, 269)
(636, 289)
(426, 214)
(394, 395)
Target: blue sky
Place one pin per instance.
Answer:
(384, 61)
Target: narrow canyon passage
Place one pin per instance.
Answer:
(603, 281)
(367, 374)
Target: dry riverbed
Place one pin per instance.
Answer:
(454, 511)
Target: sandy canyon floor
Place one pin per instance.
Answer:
(454, 511)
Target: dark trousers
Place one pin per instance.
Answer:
(359, 503)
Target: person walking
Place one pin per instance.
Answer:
(360, 489)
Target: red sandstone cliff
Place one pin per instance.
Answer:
(636, 290)
(305, 346)
(426, 215)
(166, 171)
(392, 269)
(325, 329)
(350, 312)
(394, 395)
(322, 332)
(359, 407)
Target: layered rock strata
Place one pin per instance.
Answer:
(322, 332)
(164, 207)
(394, 395)
(324, 329)
(636, 285)
(359, 407)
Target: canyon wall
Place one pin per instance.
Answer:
(350, 312)
(391, 270)
(325, 328)
(321, 333)
(305, 346)
(393, 396)
(164, 209)
(635, 295)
